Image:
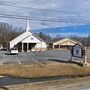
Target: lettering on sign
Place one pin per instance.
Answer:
(77, 51)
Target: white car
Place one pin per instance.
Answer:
(14, 51)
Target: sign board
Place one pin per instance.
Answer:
(77, 51)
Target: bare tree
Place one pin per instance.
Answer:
(7, 33)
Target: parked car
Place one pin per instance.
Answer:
(14, 50)
(1, 48)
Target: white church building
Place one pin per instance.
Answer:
(28, 41)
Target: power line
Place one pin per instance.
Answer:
(43, 19)
(24, 18)
(57, 11)
(17, 6)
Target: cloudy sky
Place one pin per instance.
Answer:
(54, 17)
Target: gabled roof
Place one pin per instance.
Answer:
(64, 40)
(39, 38)
(23, 36)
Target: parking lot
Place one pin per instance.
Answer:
(27, 57)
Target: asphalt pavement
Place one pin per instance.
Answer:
(26, 57)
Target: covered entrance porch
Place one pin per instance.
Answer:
(26, 47)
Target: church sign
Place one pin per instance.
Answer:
(77, 51)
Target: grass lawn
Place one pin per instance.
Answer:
(44, 69)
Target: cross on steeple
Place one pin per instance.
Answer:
(27, 25)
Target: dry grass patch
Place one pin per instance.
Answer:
(46, 69)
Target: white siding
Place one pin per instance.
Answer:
(31, 39)
(41, 45)
(28, 37)
(44, 45)
(19, 38)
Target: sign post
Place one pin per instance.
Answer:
(84, 57)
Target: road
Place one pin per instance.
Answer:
(67, 84)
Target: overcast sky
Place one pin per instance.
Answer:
(67, 13)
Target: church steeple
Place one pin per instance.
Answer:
(27, 25)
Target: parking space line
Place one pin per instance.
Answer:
(2, 59)
(18, 61)
(1, 62)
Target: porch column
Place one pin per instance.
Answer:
(22, 47)
(36, 47)
(27, 47)
(41, 46)
(53, 47)
(59, 47)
